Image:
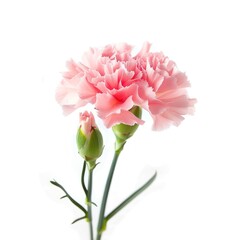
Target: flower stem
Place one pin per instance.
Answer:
(89, 202)
(82, 178)
(101, 221)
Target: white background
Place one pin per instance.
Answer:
(196, 195)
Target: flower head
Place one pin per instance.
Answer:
(115, 81)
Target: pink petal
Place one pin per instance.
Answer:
(161, 122)
(73, 69)
(154, 78)
(106, 104)
(145, 49)
(87, 123)
(123, 47)
(124, 116)
(86, 90)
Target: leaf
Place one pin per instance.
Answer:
(78, 219)
(69, 197)
(131, 197)
(93, 203)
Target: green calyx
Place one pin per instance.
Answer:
(90, 147)
(123, 131)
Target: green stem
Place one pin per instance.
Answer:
(89, 202)
(82, 178)
(101, 221)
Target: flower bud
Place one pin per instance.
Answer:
(123, 131)
(89, 139)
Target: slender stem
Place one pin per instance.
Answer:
(82, 177)
(101, 224)
(89, 202)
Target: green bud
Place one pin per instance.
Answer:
(123, 131)
(89, 140)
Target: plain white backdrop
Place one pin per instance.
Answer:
(197, 192)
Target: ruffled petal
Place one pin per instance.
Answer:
(123, 116)
(106, 105)
(145, 49)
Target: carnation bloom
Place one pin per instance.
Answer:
(115, 81)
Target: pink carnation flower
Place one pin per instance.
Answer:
(115, 81)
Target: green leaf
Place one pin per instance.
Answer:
(91, 203)
(69, 197)
(131, 197)
(78, 219)
(63, 197)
